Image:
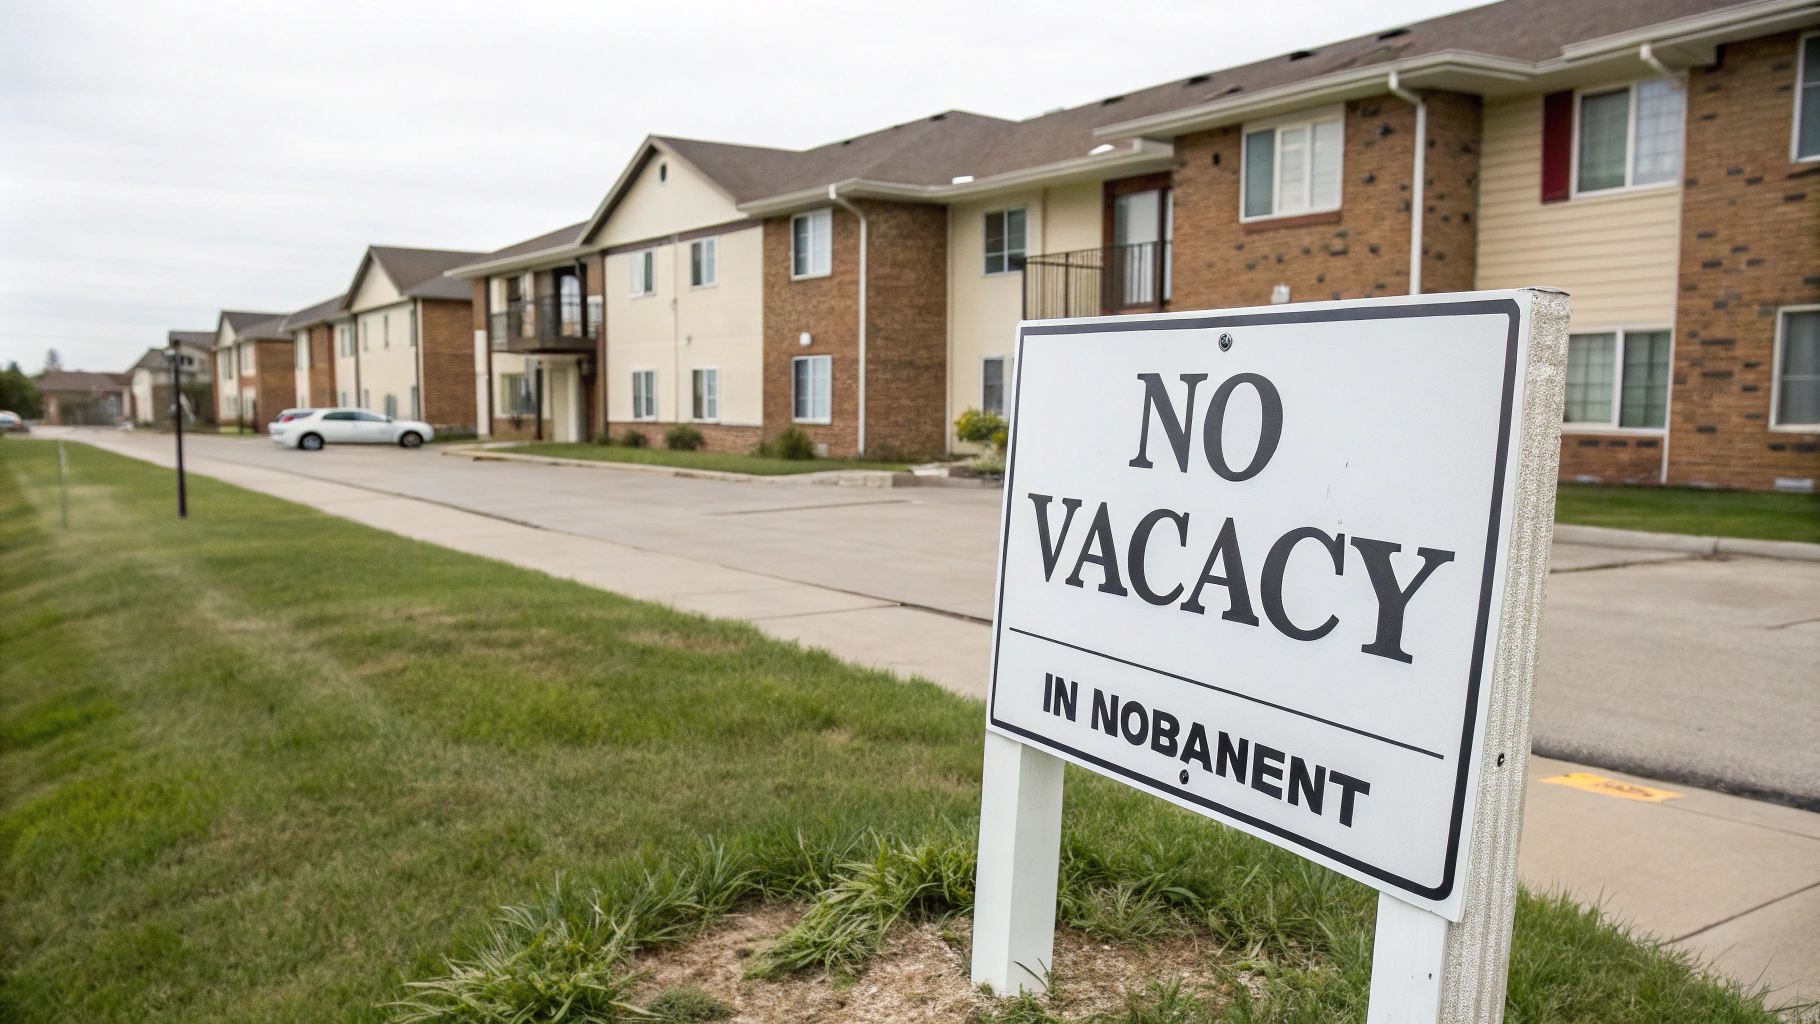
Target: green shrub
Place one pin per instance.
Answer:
(793, 443)
(684, 438)
(976, 427)
(688, 1005)
(603, 438)
(634, 439)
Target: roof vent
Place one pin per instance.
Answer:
(1104, 147)
(1392, 34)
(961, 179)
(939, 117)
(1110, 100)
(1197, 80)
(1299, 54)
(1232, 89)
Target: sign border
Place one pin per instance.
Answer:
(1508, 307)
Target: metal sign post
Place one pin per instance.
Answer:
(1283, 567)
(176, 358)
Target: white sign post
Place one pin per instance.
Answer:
(1283, 567)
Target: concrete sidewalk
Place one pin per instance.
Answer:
(1731, 880)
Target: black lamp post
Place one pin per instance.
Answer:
(176, 358)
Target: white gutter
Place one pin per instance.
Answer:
(1421, 171)
(834, 197)
(551, 257)
(1648, 56)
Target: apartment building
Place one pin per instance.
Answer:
(401, 338)
(253, 372)
(313, 357)
(1655, 159)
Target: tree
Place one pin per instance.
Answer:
(19, 393)
(52, 361)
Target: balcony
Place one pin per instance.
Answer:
(549, 324)
(1097, 282)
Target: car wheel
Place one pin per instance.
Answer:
(411, 439)
(310, 442)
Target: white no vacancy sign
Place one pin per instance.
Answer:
(1282, 567)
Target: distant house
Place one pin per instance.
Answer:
(73, 397)
(151, 377)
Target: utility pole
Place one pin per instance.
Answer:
(176, 358)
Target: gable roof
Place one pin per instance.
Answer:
(238, 320)
(269, 329)
(416, 273)
(200, 339)
(321, 312)
(550, 244)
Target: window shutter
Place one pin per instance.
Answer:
(1557, 145)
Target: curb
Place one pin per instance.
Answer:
(1607, 537)
(828, 478)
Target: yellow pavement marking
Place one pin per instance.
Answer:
(1612, 787)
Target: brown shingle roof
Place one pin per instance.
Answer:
(418, 272)
(321, 312)
(82, 381)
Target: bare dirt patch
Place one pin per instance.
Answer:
(921, 974)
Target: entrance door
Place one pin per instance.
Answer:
(1137, 265)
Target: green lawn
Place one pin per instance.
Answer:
(721, 461)
(1699, 511)
(266, 764)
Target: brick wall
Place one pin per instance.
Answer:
(322, 365)
(907, 334)
(1592, 458)
(1750, 243)
(716, 437)
(1358, 252)
(447, 331)
(274, 382)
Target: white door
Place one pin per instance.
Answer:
(372, 428)
(337, 427)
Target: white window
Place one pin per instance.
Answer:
(1807, 101)
(644, 394)
(1619, 379)
(704, 263)
(992, 386)
(391, 406)
(1629, 136)
(366, 339)
(227, 365)
(644, 272)
(812, 244)
(366, 398)
(344, 338)
(515, 397)
(706, 390)
(342, 399)
(1005, 240)
(1797, 388)
(1293, 167)
(811, 389)
(247, 365)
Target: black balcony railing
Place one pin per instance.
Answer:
(1097, 282)
(549, 324)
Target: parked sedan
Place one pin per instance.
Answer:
(318, 427)
(12, 423)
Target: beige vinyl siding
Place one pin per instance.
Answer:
(1616, 255)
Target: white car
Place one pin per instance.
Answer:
(318, 427)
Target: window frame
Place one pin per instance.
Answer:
(811, 273)
(1775, 379)
(649, 413)
(1020, 254)
(697, 375)
(709, 248)
(1810, 39)
(829, 362)
(1611, 426)
(1004, 362)
(645, 261)
(1630, 187)
(1301, 119)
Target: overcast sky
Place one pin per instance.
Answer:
(161, 161)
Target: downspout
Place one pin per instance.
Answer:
(1421, 172)
(1648, 56)
(834, 196)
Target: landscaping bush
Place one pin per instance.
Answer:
(603, 438)
(634, 439)
(793, 443)
(976, 427)
(684, 438)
